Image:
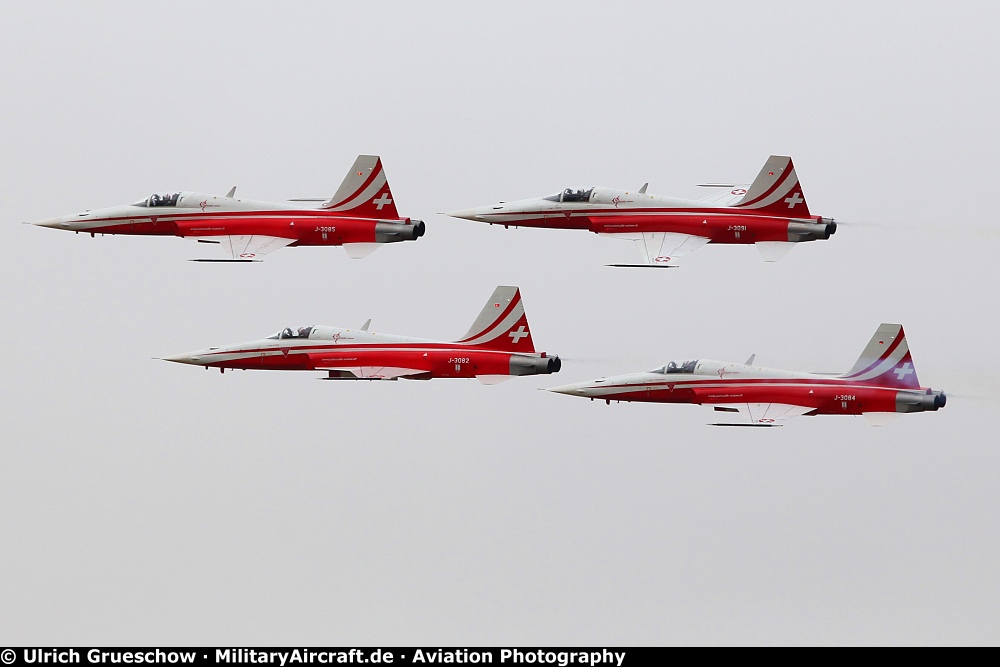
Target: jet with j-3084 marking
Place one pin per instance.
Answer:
(360, 217)
(499, 345)
(881, 385)
(771, 213)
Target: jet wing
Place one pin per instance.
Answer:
(369, 372)
(661, 248)
(727, 195)
(761, 414)
(247, 247)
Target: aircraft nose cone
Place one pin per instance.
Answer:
(466, 214)
(570, 389)
(53, 223)
(187, 358)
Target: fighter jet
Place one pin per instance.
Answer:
(360, 217)
(881, 385)
(770, 213)
(499, 345)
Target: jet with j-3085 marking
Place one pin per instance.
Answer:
(771, 213)
(499, 345)
(881, 385)
(360, 217)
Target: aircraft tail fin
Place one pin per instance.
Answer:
(886, 361)
(365, 191)
(502, 324)
(776, 190)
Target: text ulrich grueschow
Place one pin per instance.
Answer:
(324, 657)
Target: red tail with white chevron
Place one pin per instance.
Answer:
(502, 324)
(776, 190)
(365, 191)
(886, 361)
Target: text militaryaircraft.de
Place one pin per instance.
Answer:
(771, 213)
(882, 384)
(360, 217)
(498, 346)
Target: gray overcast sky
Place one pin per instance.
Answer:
(145, 502)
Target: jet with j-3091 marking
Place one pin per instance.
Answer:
(360, 217)
(770, 213)
(882, 385)
(497, 346)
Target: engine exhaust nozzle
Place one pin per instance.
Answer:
(524, 365)
(913, 402)
(391, 232)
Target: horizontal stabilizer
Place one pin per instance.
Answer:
(772, 251)
(880, 418)
(493, 379)
(360, 250)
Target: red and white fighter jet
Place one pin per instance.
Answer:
(499, 345)
(360, 217)
(771, 213)
(881, 385)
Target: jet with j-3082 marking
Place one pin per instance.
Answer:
(882, 385)
(360, 217)
(770, 213)
(498, 346)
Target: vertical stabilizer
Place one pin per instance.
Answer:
(502, 324)
(886, 361)
(365, 191)
(776, 190)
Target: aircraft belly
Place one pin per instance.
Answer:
(728, 229)
(439, 363)
(542, 220)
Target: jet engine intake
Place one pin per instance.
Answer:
(390, 232)
(911, 402)
(806, 230)
(523, 365)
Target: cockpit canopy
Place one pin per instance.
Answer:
(678, 367)
(569, 194)
(288, 332)
(160, 200)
